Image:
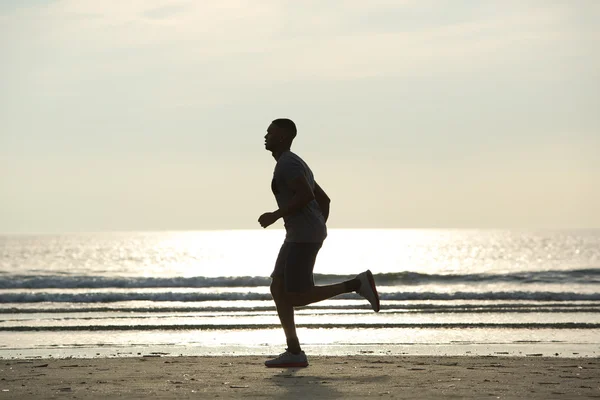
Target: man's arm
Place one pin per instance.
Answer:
(323, 200)
(303, 195)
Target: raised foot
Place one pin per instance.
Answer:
(368, 290)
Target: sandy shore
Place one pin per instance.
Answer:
(326, 377)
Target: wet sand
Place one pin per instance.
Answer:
(420, 377)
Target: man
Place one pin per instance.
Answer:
(304, 207)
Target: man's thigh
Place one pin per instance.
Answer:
(295, 264)
(277, 287)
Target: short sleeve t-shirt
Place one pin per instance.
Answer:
(308, 224)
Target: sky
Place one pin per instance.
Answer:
(150, 114)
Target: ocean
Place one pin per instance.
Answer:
(480, 292)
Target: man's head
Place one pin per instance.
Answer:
(280, 135)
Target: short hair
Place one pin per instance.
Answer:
(288, 125)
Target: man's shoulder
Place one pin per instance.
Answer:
(290, 163)
(288, 158)
(289, 155)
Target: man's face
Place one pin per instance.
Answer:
(274, 138)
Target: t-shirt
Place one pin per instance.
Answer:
(308, 223)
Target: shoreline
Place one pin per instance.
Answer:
(326, 377)
(465, 349)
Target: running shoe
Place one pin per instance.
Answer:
(368, 290)
(288, 360)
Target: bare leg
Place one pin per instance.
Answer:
(285, 310)
(320, 293)
(286, 301)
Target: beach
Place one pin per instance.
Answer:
(156, 376)
(465, 314)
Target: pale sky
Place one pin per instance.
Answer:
(150, 114)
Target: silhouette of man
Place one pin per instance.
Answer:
(304, 207)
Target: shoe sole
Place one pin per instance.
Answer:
(372, 283)
(287, 365)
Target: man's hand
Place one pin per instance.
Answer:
(268, 219)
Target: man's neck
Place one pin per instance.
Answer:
(278, 153)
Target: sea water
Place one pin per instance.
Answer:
(442, 292)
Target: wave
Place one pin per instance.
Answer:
(109, 297)
(400, 308)
(179, 327)
(578, 276)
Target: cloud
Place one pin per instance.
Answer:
(181, 53)
(444, 91)
(237, 43)
(235, 26)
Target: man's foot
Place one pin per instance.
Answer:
(288, 360)
(368, 290)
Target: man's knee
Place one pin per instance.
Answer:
(281, 295)
(299, 299)
(277, 288)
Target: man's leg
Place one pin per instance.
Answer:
(293, 286)
(285, 311)
(286, 301)
(300, 288)
(320, 293)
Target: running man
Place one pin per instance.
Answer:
(304, 207)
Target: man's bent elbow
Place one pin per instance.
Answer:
(309, 197)
(323, 199)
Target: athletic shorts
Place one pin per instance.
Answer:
(295, 264)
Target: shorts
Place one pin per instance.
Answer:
(295, 264)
